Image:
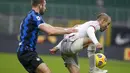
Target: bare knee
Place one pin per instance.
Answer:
(73, 68)
(47, 70)
(43, 68)
(86, 42)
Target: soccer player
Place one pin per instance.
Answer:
(29, 29)
(73, 43)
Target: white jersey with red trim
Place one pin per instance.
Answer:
(82, 30)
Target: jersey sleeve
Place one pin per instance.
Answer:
(38, 20)
(91, 34)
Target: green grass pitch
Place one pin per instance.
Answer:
(10, 64)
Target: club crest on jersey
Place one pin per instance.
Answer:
(38, 18)
(38, 59)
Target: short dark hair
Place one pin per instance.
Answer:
(36, 2)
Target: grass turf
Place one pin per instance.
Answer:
(10, 64)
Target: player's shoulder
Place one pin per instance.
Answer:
(30, 15)
(32, 12)
(93, 22)
(34, 15)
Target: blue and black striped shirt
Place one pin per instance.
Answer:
(29, 31)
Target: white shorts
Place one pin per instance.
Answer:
(69, 51)
(71, 47)
(77, 46)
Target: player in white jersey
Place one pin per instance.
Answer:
(73, 43)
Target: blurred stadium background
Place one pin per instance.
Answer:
(67, 13)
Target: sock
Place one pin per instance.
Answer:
(91, 57)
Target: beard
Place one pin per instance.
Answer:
(41, 12)
(102, 29)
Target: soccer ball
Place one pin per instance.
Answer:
(101, 60)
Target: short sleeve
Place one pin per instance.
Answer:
(38, 20)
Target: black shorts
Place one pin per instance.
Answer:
(30, 60)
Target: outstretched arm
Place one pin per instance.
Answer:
(91, 34)
(56, 48)
(55, 30)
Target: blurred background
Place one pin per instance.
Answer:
(67, 13)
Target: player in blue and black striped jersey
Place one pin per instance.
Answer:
(29, 29)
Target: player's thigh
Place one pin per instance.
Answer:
(73, 69)
(40, 66)
(77, 45)
(87, 41)
(43, 68)
(30, 60)
(33, 63)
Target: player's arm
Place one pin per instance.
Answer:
(56, 48)
(51, 30)
(59, 28)
(91, 34)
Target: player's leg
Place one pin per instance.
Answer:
(86, 42)
(91, 56)
(31, 62)
(43, 68)
(25, 58)
(38, 65)
(75, 46)
(92, 62)
(71, 62)
(80, 44)
(72, 68)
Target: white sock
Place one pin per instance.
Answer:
(91, 56)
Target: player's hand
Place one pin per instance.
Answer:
(99, 46)
(71, 30)
(53, 51)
